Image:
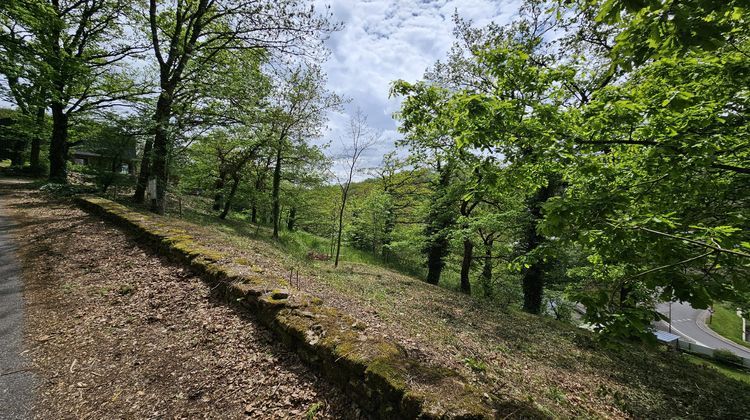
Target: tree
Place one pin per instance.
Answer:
(467, 207)
(372, 223)
(225, 155)
(187, 37)
(80, 48)
(615, 163)
(232, 105)
(423, 120)
(656, 187)
(297, 112)
(361, 138)
(25, 88)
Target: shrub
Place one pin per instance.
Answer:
(66, 190)
(726, 356)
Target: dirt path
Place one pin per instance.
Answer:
(16, 381)
(115, 331)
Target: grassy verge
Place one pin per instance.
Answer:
(730, 372)
(727, 324)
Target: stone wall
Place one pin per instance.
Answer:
(378, 374)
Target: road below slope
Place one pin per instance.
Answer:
(16, 381)
(689, 322)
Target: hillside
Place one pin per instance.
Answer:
(513, 356)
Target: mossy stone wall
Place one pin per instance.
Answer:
(378, 374)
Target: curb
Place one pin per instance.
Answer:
(379, 375)
(701, 323)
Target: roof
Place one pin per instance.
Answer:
(82, 153)
(666, 337)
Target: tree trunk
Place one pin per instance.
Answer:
(58, 149)
(439, 219)
(466, 209)
(435, 264)
(466, 266)
(390, 225)
(230, 197)
(36, 142)
(533, 288)
(275, 193)
(219, 188)
(254, 214)
(144, 173)
(534, 275)
(487, 269)
(161, 152)
(292, 219)
(341, 225)
(17, 149)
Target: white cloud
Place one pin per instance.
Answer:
(387, 40)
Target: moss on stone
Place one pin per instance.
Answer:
(271, 302)
(243, 261)
(377, 372)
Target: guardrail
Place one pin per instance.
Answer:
(705, 351)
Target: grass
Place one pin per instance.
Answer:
(727, 324)
(299, 243)
(742, 375)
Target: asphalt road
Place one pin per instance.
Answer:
(689, 323)
(16, 383)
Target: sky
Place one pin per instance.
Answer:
(386, 40)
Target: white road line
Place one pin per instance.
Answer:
(688, 337)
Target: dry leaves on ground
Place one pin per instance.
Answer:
(115, 331)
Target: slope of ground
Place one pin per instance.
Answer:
(725, 322)
(512, 355)
(114, 331)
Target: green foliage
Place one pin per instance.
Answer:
(66, 190)
(475, 365)
(726, 356)
(658, 29)
(312, 411)
(606, 165)
(636, 185)
(372, 224)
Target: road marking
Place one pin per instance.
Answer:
(689, 338)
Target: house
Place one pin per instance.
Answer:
(114, 156)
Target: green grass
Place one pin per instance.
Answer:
(738, 374)
(726, 323)
(299, 243)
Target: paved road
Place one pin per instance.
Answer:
(16, 384)
(690, 323)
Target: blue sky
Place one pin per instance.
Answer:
(386, 40)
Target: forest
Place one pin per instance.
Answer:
(591, 156)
